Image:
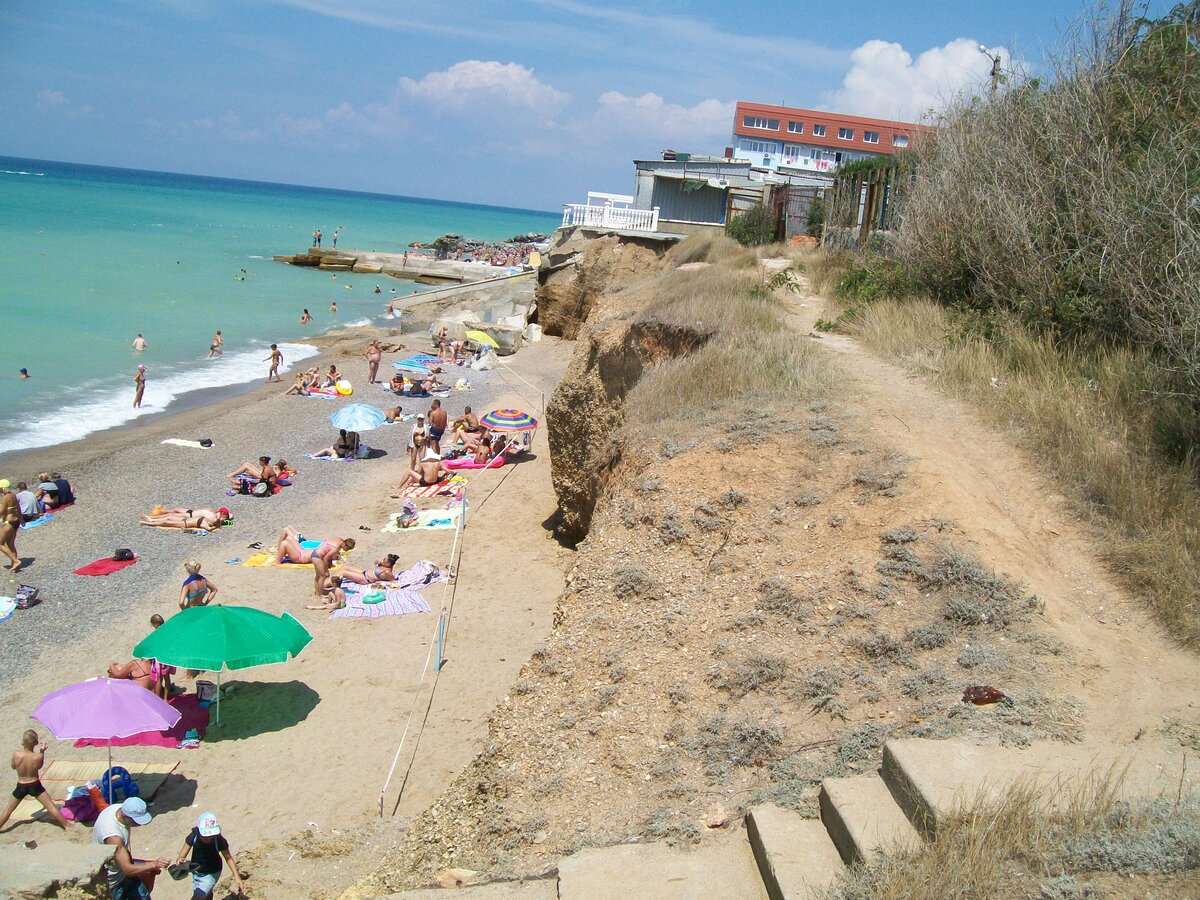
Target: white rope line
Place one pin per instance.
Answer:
(541, 394)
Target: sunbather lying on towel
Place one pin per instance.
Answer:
(345, 447)
(429, 471)
(288, 549)
(332, 595)
(382, 571)
(180, 517)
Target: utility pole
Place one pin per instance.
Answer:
(995, 58)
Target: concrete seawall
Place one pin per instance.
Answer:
(422, 269)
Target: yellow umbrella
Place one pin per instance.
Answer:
(481, 337)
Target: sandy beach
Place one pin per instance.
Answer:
(304, 747)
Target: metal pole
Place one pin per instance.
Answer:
(441, 640)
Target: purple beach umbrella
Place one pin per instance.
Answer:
(103, 709)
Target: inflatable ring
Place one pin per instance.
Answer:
(374, 597)
(343, 388)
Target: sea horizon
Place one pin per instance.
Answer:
(100, 254)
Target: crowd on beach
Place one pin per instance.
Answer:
(437, 445)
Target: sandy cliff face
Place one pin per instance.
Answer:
(584, 415)
(581, 272)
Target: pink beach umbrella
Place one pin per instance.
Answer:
(103, 709)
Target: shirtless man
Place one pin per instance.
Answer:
(438, 420)
(10, 521)
(468, 421)
(28, 762)
(374, 354)
(429, 471)
(216, 347)
(180, 517)
(276, 360)
(322, 557)
(139, 343)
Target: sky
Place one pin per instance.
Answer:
(524, 104)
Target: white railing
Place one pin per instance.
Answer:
(609, 216)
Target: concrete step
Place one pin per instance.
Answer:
(720, 867)
(54, 865)
(540, 889)
(933, 780)
(864, 820)
(796, 859)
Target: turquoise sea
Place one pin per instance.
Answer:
(92, 256)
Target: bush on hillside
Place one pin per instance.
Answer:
(752, 228)
(1075, 202)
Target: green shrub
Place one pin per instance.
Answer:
(753, 227)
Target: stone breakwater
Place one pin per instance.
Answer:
(410, 266)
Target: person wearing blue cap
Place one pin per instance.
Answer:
(206, 845)
(128, 878)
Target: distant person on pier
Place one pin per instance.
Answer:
(139, 386)
(335, 237)
(216, 347)
(139, 343)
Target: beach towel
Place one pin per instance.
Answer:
(468, 462)
(191, 716)
(105, 566)
(420, 574)
(321, 395)
(267, 558)
(396, 602)
(450, 486)
(427, 520)
(180, 442)
(8, 605)
(177, 528)
(46, 517)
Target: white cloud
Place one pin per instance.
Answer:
(48, 99)
(885, 81)
(56, 101)
(473, 82)
(650, 118)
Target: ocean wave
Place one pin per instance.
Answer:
(14, 172)
(109, 402)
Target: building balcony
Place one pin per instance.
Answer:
(615, 213)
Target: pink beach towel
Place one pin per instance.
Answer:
(105, 566)
(191, 716)
(468, 462)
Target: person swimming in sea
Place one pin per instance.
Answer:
(306, 318)
(23, 374)
(139, 343)
(333, 307)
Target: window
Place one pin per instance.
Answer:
(900, 140)
(759, 122)
(871, 137)
(796, 127)
(759, 146)
(794, 151)
(846, 134)
(819, 130)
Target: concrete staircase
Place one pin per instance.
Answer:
(782, 856)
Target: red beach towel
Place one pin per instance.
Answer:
(105, 566)
(191, 715)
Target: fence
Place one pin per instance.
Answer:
(609, 216)
(864, 202)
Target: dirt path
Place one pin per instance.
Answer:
(1130, 676)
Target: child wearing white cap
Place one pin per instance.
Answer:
(206, 845)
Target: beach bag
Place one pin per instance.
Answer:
(26, 596)
(123, 555)
(262, 489)
(206, 691)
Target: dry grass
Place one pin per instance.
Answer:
(710, 248)
(992, 846)
(1084, 414)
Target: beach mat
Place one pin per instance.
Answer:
(396, 602)
(468, 462)
(191, 716)
(427, 520)
(266, 558)
(180, 442)
(447, 487)
(46, 517)
(105, 566)
(62, 775)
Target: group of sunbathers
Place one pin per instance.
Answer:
(419, 386)
(22, 505)
(245, 478)
(313, 379)
(289, 548)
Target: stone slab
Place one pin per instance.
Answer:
(796, 858)
(933, 780)
(720, 867)
(55, 863)
(541, 889)
(864, 820)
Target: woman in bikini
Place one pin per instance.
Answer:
(10, 521)
(139, 671)
(322, 557)
(197, 590)
(254, 474)
(382, 571)
(180, 517)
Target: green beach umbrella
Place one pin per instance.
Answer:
(217, 637)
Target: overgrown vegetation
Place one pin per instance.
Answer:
(1057, 225)
(1012, 848)
(753, 228)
